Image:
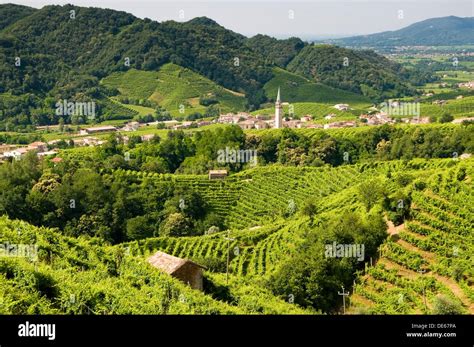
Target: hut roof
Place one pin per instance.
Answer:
(169, 263)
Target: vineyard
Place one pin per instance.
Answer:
(171, 87)
(316, 110)
(295, 88)
(427, 256)
(458, 108)
(75, 276)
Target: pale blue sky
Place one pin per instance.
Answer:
(309, 19)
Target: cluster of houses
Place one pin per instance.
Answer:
(381, 118)
(13, 151)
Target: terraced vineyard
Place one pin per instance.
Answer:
(171, 87)
(429, 255)
(266, 193)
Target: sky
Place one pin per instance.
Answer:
(307, 19)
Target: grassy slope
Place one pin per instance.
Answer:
(295, 88)
(172, 86)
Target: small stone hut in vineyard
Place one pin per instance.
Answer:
(182, 269)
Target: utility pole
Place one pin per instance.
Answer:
(228, 256)
(421, 272)
(344, 294)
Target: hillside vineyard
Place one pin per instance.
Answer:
(177, 167)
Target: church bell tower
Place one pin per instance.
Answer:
(278, 111)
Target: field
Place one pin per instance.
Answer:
(458, 108)
(170, 87)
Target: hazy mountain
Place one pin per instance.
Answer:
(444, 31)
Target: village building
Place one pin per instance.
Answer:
(7, 148)
(183, 269)
(16, 153)
(343, 124)
(87, 141)
(102, 129)
(203, 123)
(261, 125)
(44, 154)
(38, 146)
(131, 126)
(329, 116)
(341, 107)
(469, 85)
(247, 124)
(293, 124)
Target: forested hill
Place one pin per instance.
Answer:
(444, 31)
(279, 52)
(11, 13)
(363, 72)
(97, 41)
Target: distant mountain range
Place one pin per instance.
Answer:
(443, 31)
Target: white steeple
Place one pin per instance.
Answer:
(278, 111)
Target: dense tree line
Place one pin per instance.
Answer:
(81, 201)
(198, 152)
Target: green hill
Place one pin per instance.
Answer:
(295, 88)
(10, 13)
(172, 86)
(362, 72)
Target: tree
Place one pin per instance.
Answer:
(370, 192)
(139, 227)
(175, 225)
(312, 276)
(446, 118)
